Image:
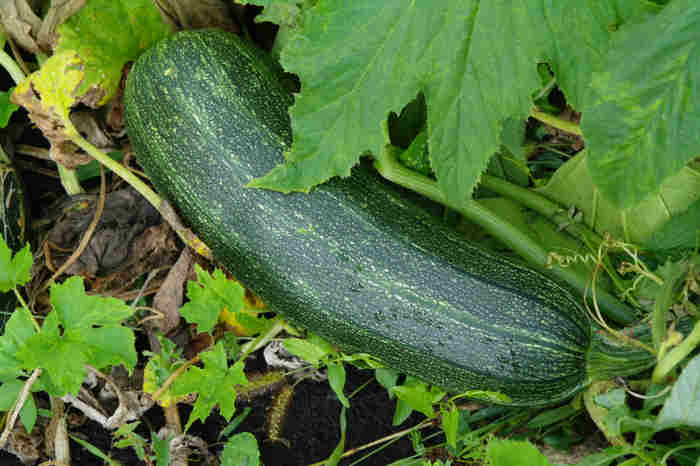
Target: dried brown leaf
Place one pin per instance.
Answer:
(20, 23)
(59, 12)
(126, 216)
(170, 296)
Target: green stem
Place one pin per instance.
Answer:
(676, 355)
(69, 180)
(556, 122)
(11, 67)
(515, 239)
(26, 308)
(116, 167)
(556, 214)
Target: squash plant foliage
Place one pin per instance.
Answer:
(475, 62)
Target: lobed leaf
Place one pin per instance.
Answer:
(641, 126)
(360, 60)
(79, 330)
(214, 383)
(211, 295)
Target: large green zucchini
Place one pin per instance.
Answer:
(357, 260)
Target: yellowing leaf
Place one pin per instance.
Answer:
(50, 90)
(86, 68)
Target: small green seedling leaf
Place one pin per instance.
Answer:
(336, 379)
(209, 296)
(307, 350)
(79, 330)
(14, 270)
(419, 395)
(161, 447)
(215, 383)
(515, 453)
(127, 438)
(450, 424)
(160, 366)
(241, 450)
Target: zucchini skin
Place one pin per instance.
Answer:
(358, 261)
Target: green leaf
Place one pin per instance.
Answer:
(127, 438)
(358, 61)
(572, 185)
(642, 124)
(241, 450)
(6, 108)
(418, 395)
(15, 270)
(9, 392)
(79, 330)
(215, 383)
(387, 378)
(86, 67)
(279, 12)
(17, 330)
(683, 405)
(306, 350)
(612, 399)
(161, 447)
(514, 453)
(336, 379)
(160, 366)
(450, 424)
(209, 296)
(94, 450)
(680, 231)
(105, 35)
(401, 413)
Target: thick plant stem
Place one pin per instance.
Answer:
(70, 181)
(11, 67)
(522, 244)
(676, 355)
(116, 167)
(555, 213)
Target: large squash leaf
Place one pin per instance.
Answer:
(643, 120)
(572, 185)
(475, 61)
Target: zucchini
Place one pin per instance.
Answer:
(12, 224)
(358, 261)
